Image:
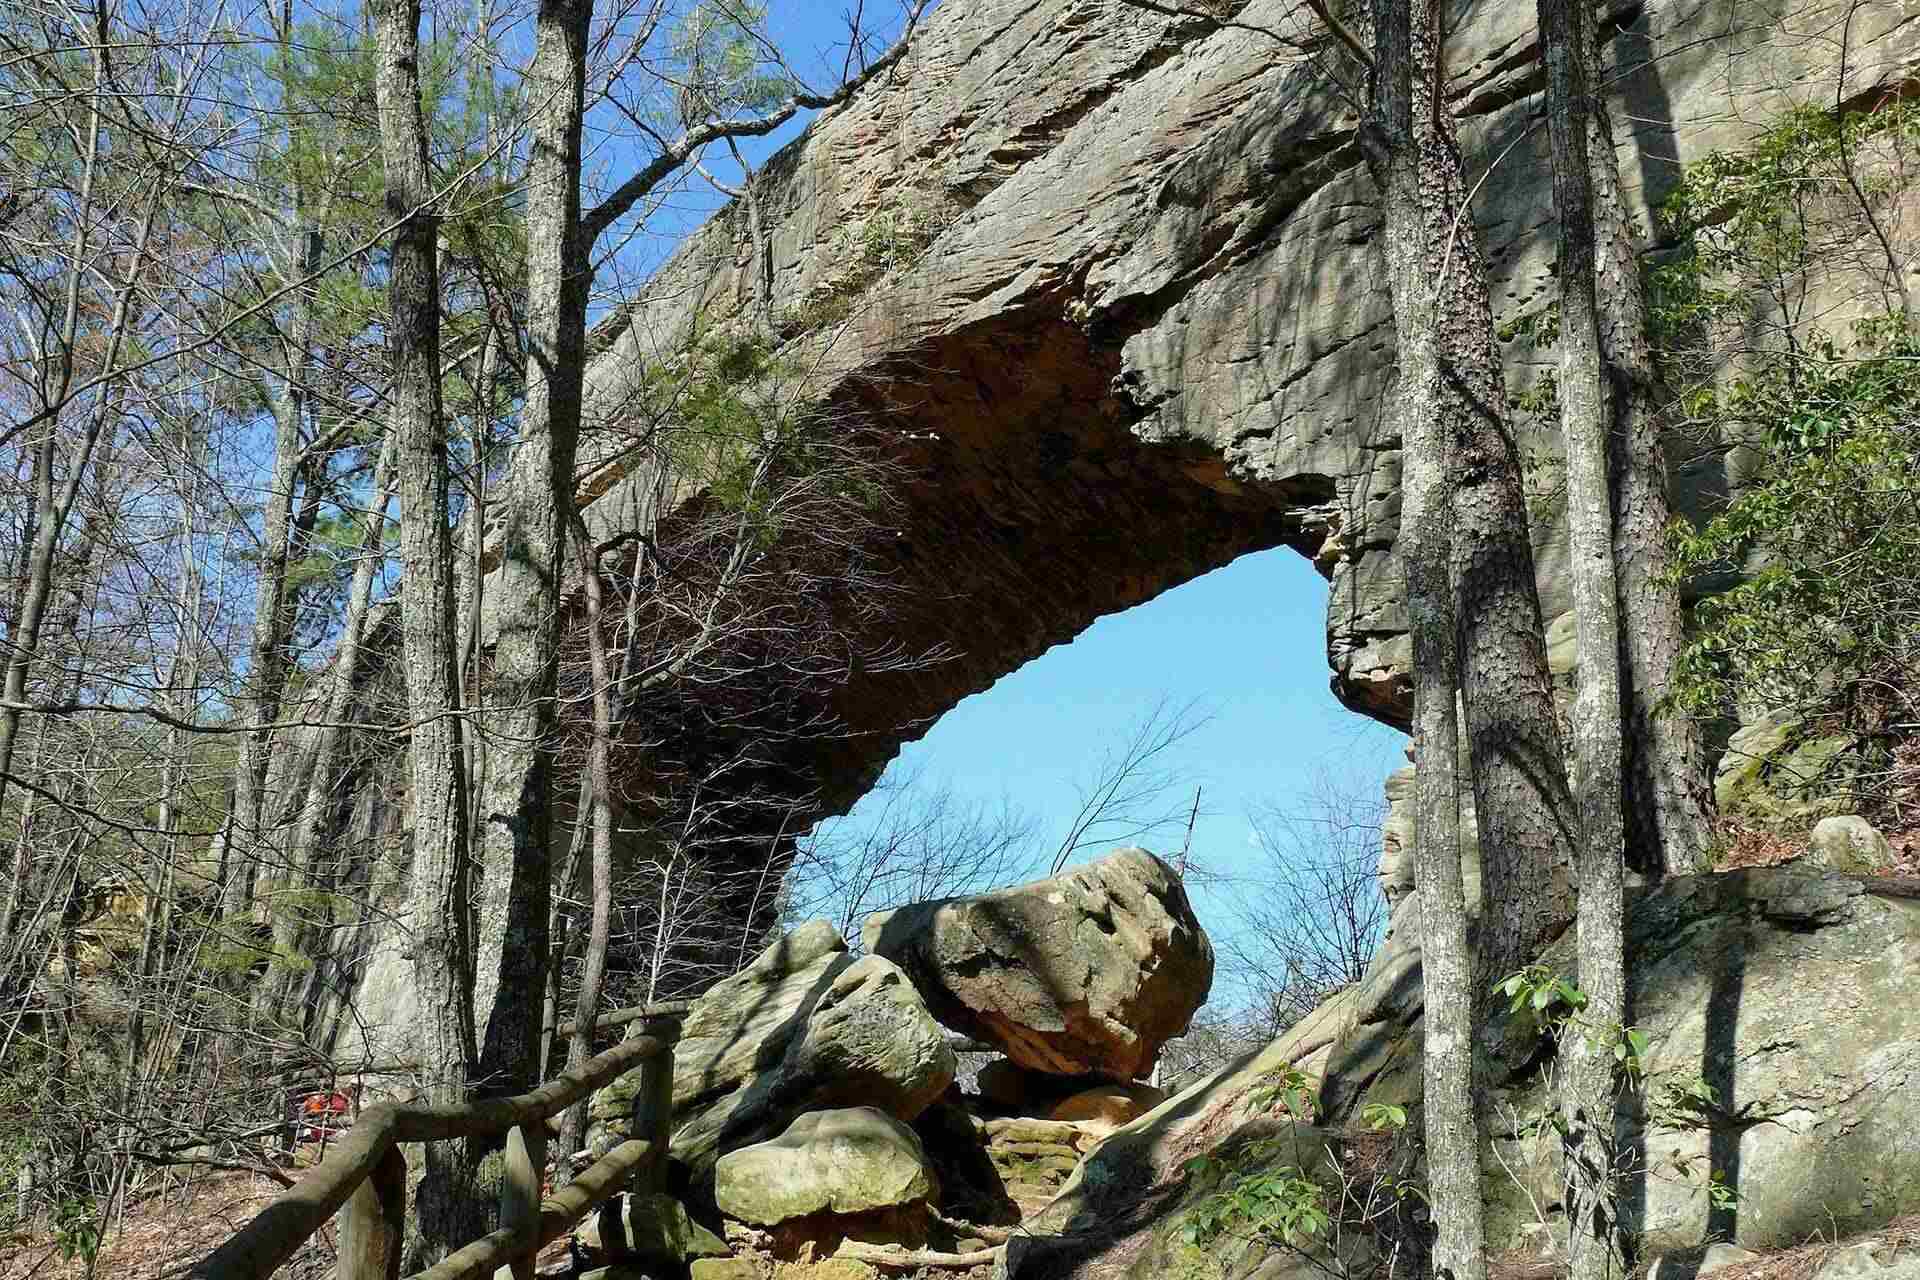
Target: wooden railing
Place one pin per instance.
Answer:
(364, 1176)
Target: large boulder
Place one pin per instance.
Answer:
(846, 1161)
(650, 1228)
(1089, 971)
(1848, 844)
(1794, 998)
(1778, 771)
(804, 1026)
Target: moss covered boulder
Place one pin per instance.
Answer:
(806, 1026)
(848, 1161)
(647, 1228)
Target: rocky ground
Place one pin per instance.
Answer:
(819, 1124)
(158, 1230)
(821, 1133)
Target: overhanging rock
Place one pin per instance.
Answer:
(1148, 332)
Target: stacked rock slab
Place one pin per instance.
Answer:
(804, 1027)
(1088, 972)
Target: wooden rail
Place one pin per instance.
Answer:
(364, 1177)
(614, 1019)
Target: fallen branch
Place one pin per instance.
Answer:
(992, 1235)
(887, 1256)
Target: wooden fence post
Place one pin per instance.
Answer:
(521, 1177)
(373, 1224)
(653, 1109)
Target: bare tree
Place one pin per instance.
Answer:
(1588, 1102)
(715, 103)
(1132, 792)
(1309, 915)
(913, 841)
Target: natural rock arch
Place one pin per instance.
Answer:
(1149, 336)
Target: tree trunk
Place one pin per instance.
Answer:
(1587, 1096)
(327, 767)
(272, 610)
(1526, 820)
(266, 656)
(600, 779)
(519, 692)
(1668, 796)
(1404, 54)
(438, 903)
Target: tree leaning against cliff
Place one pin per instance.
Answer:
(1399, 111)
(1588, 1102)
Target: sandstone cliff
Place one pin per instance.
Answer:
(1139, 329)
(1147, 333)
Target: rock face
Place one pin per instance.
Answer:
(1848, 844)
(804, 1026)
(847, 1161)
(1090, 971)
(1149, 332)
(1872, 1260)
(1794, 997)
(650, 1229)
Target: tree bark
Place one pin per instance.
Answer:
(1403, 58)
(600, 781)
(1526, 821)
(515, 809)
(438, 903)
(1668, 797)
(1587, 1101)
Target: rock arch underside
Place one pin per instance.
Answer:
(1151, 333)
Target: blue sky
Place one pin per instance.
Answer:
(1248, 642)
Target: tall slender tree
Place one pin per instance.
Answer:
(1395, 134)
(1587, 416)
(439, 901)
(1410, 154)
(1666, 791)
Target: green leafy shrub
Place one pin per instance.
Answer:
(1259, 1196)
(1816, 550)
